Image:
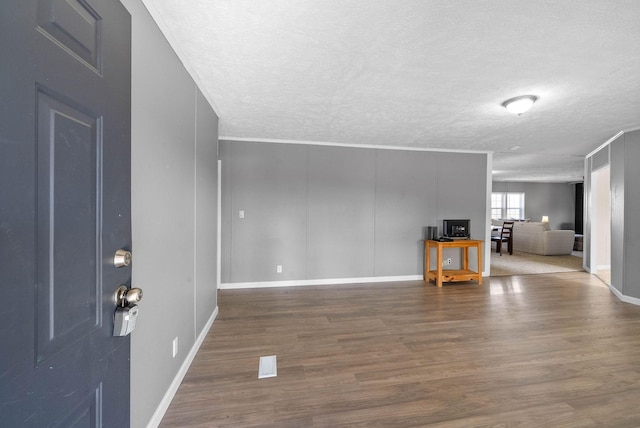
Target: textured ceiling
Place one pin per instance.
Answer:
(429, 74)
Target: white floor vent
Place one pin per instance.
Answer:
(268, 367)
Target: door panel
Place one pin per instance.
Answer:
(67, 228)
(75, 26)
(64, 211)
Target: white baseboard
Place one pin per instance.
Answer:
(177, 380)
(308, 282)
(626, 299)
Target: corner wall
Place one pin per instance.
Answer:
(174, 217)
(343, 214)
(621, 152)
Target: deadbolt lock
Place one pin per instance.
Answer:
(122, 258)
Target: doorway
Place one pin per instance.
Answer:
(601, 224)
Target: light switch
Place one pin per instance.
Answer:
(241, 213)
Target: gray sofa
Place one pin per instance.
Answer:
(538, 238)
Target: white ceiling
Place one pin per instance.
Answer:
(427, 73)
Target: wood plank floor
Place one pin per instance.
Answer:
(555, 350)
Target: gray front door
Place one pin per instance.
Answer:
(64, 211)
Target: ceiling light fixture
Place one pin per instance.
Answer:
(519, 105)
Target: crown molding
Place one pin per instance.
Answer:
(357, 146)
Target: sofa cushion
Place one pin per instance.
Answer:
(534, 224)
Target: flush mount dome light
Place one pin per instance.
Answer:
(519, 105)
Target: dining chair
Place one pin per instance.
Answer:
(506, 235)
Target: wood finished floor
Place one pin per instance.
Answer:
(555, 350)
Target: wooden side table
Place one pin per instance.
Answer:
(440, 275)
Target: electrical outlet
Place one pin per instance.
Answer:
(241, 214)
(449, 261)
(175, 347)
(279, 269)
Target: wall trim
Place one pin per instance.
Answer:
(309, 282)
(177, 380)
(351, 145)
(624, 298)
(603, 145)
(219, 226)
(487, 230)
(609, 141)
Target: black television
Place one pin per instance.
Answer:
(456, 229)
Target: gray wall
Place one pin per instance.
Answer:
(327, 212)
(340, 212)
(556, 200)
(622, 155)
(631, 243)
(174, 213)
(405, 199)
(206, 212)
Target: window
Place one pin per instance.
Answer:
(506, 205)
